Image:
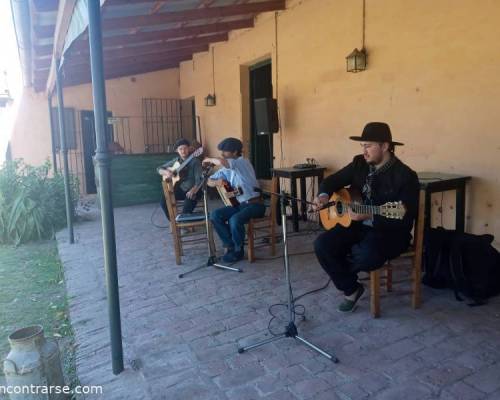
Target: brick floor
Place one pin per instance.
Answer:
(181, 336)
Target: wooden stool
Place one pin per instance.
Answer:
(415, 252)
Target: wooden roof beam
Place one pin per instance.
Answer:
(151, 48)
(82, 75)
(43, 50)
(191, 15)
(166, 34)
(44, 31)
(46, 5)
(159, 56)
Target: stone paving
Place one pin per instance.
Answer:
(181, 336)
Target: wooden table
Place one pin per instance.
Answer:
(299, 173)
(434, 182)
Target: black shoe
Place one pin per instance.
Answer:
(233, 256)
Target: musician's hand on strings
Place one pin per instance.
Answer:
(191, 194)
(211, 160)
(217, 161)
(166, 173)
(358, 217)
(320, 201)
(215, 182)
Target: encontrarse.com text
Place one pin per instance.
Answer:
(34, 389)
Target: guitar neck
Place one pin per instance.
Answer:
(365, 209)
(184, 163)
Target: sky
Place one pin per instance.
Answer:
(9, 61)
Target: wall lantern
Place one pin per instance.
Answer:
(356, 61)
(210, 100)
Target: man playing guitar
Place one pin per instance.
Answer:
(238, 173)
(370, 240)
(187, 187)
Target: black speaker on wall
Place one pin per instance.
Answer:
(266, 116)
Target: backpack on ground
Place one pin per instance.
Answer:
(468, 264)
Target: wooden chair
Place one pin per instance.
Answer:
(265, 227)
(415, 252)
(176, 227)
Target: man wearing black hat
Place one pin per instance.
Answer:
(229, 222)
(369, 241)
(187, 187)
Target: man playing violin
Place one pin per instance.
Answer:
(370, 240)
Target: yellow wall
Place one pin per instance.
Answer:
(31, 139)
(31, 135)
(432, 75)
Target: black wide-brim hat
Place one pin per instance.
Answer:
(376, 132)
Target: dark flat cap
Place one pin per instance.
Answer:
(230, 144)
(181, 142)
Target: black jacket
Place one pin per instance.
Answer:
(398, 183)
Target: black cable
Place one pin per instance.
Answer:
(313, 291)
(290, 255)
(152, 222)
(297, 309)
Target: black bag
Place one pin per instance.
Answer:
(466, 263)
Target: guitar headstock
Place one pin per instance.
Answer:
(393, 209)
(198, 152)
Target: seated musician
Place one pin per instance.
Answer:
(229, 222)
(187, 188)
(379, 176)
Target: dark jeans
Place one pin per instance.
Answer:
(229, 222)
(343, 252)
(187, 207)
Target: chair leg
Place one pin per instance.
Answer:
(251, 242)
(416, 299)
(272, 231)
(375, 293)
(388, 277)
(211, 241)
(177, 245)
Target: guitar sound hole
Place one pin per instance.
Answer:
(340, 208)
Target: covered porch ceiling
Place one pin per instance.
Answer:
(141, 36)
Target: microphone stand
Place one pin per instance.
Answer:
(212, 258)
(291, 329)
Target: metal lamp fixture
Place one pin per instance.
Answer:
(356, 60)
(210, 99)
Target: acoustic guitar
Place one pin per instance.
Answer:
(228, 194)
(177, 168)
(337, 209)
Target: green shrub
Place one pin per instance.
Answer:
(32, 202)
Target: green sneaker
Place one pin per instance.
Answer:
(350, 305)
